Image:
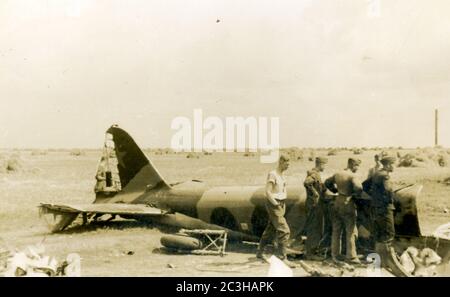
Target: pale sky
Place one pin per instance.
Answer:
(336, 73)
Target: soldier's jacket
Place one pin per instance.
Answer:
(381, 190)
(315, 189)
(101, 178)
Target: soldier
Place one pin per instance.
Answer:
(315, 191)
(344, 215)
(101, 176)
(364, 206)
(375, 168)
(377, 164)
(277, 226)
(382, 205)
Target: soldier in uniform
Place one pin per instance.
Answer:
(277, 227)
(344, 214)
(365, 216)
(377, 166)
(101, 176)
(315, 191)
(382, 204)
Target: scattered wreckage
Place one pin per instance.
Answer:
(134, 189)
(33, 262)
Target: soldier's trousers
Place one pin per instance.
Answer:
(384, 227)
(313, 226)
(326, 210)
(277, 227)
(344, 217)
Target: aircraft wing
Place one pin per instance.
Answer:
(59, 216)
(104, 208)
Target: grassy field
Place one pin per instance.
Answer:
(59, 176)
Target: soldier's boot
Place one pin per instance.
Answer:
(289, 263)
(355, 261)
(260, 251)
(314, 256)
(283, 256)
(380, 249)
(285, 260)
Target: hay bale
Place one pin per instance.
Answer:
(312, 156)
(14, 164)
(249, 154)
(168, 151)
(424, 157)
(407, 160)
(357, 151)
(294, 153)
(332, 152)
(192, 156)
(77, 152)
(439, 158)
(442, 161)
(39, 152)
(207, 153)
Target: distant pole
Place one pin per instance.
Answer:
(436, 142)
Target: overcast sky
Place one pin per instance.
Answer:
(336, 73)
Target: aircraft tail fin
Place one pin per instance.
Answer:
(128, 164)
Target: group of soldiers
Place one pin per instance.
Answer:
(331, 219)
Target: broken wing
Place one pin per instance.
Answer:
(65, 214)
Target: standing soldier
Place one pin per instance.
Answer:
(277, 226)
(365, 209)
(344, 213)
(382, 205)
(315, 191)
(100, 176)
(377, 164)
(375, 168)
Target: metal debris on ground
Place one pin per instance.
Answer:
(32, 261)
(443, 231)
(216, 240)
(420, 263)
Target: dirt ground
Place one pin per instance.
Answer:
(128, 248)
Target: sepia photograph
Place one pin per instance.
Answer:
(224, 138)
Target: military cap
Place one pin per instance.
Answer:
(321, 160)
(354, 161)
(283, 158)
(388, 159)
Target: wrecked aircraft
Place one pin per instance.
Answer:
(135, 189)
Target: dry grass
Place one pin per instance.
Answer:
(39, 152)
(66, 179)
(77, 152)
